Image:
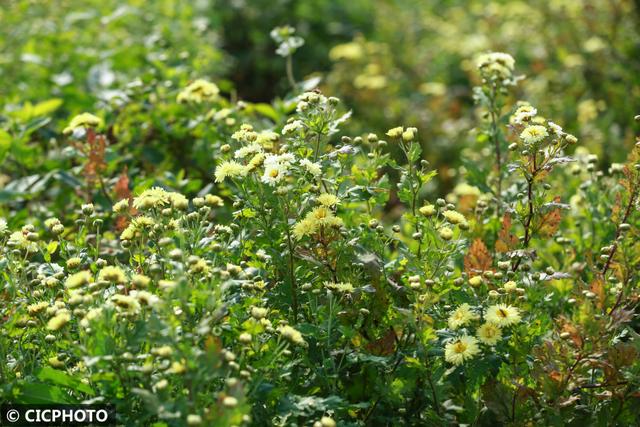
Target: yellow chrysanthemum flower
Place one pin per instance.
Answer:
(461, 349)
(291, 334)
(198, 91)
(126, 303)
(303, 228)
(461, 316)
(464, 189)
(58, 321)
(346, 51)
(342, 287)
(454, 217)
(230, 169)
(112, 274)
(78, 279)
(475, 281)
(37, 307)
(503, 315)
(178, 368)
(428, 210)
(395, 132)
(445, 233)
(321, 216)
(213, 201)
(157, 197)
(329, 200)
(489, 333)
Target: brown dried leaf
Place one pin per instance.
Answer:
(574, 334)
(467, 203)
(555, 376)
(95, 152)
(122, 186)
(121, 223)
(550, 221)
(597, 287)
(478, 259)
(507, 241)
(615, 210)
(383, 346)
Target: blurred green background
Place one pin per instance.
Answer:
(392, 62)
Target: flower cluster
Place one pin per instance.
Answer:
(490, 333)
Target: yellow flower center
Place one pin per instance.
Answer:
(459, 347)
(502, 313)
(321, 213)
(274, 173)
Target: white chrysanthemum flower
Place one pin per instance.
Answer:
(555, 128)
(19, 240)
(534, 134)
(247, 151)
(496, 64)
(503, 315)
(292, 127)
(313, 168)
(284, 159)
(274, 173)
(524, 113)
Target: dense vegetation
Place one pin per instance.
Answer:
(388, 213)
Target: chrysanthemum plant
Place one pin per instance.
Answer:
(340, 293)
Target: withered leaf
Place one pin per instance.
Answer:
(597, 287)
(507, 241)
(383, 346)
(573, 333)
(478, 259)
(550, 221)
(121, 187)
(96, 153)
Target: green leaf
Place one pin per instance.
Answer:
(63, 379)
(265, 110)
(36, 393)
(5, 144)
(52, 247)
(47, 107)
(415, 150)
